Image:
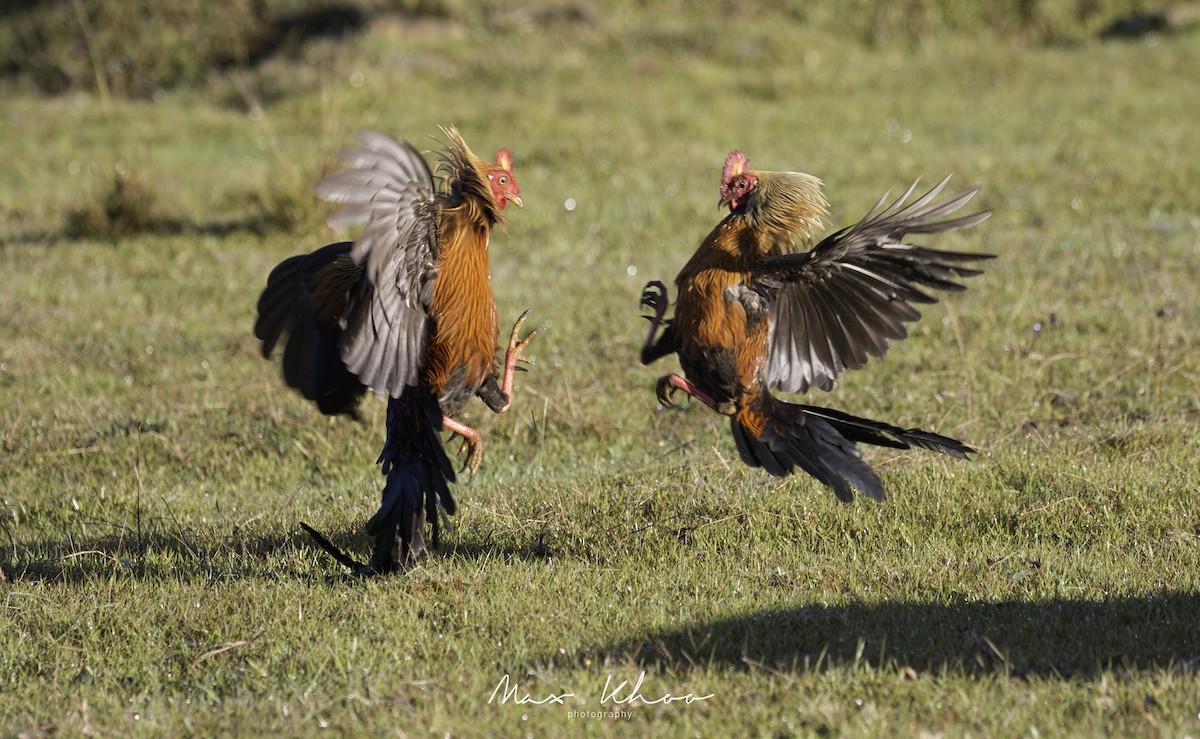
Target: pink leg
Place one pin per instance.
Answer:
(514, 355)
(668, 384)
(472, 440)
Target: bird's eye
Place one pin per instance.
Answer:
(503, 180)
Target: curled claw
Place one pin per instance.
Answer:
(668, 384)
(472, 443)
(654, 297)
(474, 457)
(665, 390)
(471, 449)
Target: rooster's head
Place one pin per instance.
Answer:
(503, 183)
(737, 181)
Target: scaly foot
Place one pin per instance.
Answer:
(472, 443)
(668, 384)
(515, 354)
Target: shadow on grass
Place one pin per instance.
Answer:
(153, 555)
(1056, 638)
(257, 224)
(159, 554)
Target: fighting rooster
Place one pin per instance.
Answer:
(406, 310)
(753, 314)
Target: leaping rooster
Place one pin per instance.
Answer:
(754, 314)
(406, 310)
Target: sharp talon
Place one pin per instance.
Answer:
(518, 323)
(665, 391)
(473, 462)
(474, 456)
(529, 336)
(515, 354)
(515, 344)
(654, 297)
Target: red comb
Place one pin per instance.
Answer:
(504, 160)
(735, 164)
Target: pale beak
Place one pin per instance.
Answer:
(516, 200)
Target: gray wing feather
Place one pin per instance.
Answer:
(388, 189)
(834, 307)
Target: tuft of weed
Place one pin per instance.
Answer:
(138, 49)
(129, 205)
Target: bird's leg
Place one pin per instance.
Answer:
(668, 384)
(495, 392)
(654, 297)
(512, 356)
(472, 442)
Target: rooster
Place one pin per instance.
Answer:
(406, 310)
(754, 314)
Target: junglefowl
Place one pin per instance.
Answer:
(754, 314)
(406, 310)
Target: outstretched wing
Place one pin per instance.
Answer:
(842, 302)
(387, 187)
(290, 310)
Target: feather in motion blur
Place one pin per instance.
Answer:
(406, 310)
(754, 314)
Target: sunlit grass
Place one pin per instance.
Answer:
(153, 469)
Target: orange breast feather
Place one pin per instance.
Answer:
(464, 309)
(706, 314)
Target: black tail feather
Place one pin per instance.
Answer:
(342, 558)
(879, 433)
(821, 441)
(791, 438)
(417, 489)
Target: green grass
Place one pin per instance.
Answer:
(153, 469)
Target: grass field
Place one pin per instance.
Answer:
(153, 469)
